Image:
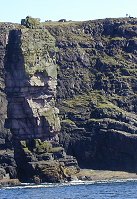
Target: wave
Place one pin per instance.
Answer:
(71, 183)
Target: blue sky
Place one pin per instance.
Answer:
(77, 10)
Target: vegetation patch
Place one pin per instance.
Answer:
(68, 121)
(39, 51)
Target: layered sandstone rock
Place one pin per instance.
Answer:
(80, 73)
(31, 78)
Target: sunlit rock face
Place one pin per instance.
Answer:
(31, 79)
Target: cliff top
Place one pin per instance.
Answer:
(31, 22)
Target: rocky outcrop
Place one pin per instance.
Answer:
(67, 86)
(43, 161)
(30, 86)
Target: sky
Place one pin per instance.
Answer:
(76, 10)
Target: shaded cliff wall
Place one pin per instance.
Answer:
(7, 162)
(4, 133)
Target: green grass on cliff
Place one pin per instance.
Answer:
(84, 100)
(98, 102)
(117, 39)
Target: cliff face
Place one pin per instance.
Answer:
(79, 74)
(7, 163)
(96, 92)
(30, 86)
(4, 133)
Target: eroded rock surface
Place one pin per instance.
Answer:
(79, 74)
(31, 78)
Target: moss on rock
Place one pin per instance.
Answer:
(43, 147)
(39, 50)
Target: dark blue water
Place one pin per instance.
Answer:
(118, 190)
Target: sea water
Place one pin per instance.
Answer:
(74, 190)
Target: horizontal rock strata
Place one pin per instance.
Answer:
(67, 87)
